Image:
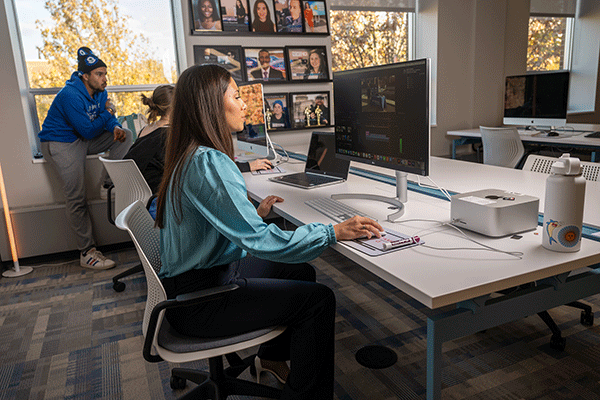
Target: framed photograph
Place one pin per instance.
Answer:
(308, 63)
(206, 15)
(262, 17)
(315, 16)
(288, 16)
(266, 64)
(310, 110)
(235, 16)
(277, 112)
(229, 57)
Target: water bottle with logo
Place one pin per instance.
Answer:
(563, 205)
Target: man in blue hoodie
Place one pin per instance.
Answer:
(81, 121)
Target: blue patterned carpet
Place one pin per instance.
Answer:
(65, 334)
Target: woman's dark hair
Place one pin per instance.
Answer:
(321, 64)
(268, 25)
(197, 119)
(160, 102)
(214, 15)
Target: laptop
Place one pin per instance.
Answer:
(322, 166)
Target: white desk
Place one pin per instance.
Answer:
(467, 279)
(565, 139)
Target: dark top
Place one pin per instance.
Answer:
(148, 152)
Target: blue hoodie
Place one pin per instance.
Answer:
(74, 114)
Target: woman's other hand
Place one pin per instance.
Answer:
(357, 227)
(262, 163)
(264, 208)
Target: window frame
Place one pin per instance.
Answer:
(28, 93)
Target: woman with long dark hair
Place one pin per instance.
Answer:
(208, 16)
(316, 68)
(208, 225)
(262, 21)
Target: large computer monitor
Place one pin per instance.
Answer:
(382, 118)
(254, 138)
(537, 98)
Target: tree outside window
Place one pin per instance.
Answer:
(547, 43)
(366, 38)
(62, 26)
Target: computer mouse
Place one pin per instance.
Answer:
(552, 133)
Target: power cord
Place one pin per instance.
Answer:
(434, 186)
(516, 254)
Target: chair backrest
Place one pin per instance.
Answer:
(133, 122)
(136, 220)
(501, 146)
(129, 182)
(543, 164)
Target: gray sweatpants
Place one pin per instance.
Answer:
(68, 159)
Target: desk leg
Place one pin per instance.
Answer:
(478, 314)
(434, 362)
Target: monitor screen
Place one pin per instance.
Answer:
(382, 115)
(539, 98)
(254, 136)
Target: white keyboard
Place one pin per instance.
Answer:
(336, 210)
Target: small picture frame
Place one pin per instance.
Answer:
(262, 16)
(206, 15)
(315, 16)
(310, 110)
(235, 15)
(308, 63)
(229, 57)
(266, 64)
(277, 112)
(289, 16)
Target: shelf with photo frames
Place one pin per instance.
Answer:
(268, 65)
(297, 110)
(275, 59)
(258, 17)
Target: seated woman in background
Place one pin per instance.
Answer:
(208, 226)
(148, 151)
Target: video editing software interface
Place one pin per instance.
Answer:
(382, 115)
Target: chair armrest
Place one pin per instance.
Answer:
(109, 204)
(184, 300)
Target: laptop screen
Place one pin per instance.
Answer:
(321, 157)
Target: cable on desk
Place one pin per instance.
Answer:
(435, 186)
(517, 254)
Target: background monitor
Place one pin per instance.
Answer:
(382, 118)
(254, 137)
(537, 98)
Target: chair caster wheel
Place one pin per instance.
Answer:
(558, 343)
(177, 382)
(118, 286)
(587, 318)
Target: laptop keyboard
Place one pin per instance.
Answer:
(336, 210)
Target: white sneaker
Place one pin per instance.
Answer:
(94, 259)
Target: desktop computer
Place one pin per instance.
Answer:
(382, 118)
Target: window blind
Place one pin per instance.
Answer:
(373, 5)
(552, 8)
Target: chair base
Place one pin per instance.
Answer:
(120, 286)
(220, 383)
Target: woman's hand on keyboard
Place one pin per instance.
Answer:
(357, 227)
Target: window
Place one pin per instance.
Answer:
(548, 43)
(135, 38)
(377, 32)
(550, 34)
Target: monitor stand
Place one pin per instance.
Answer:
(397, 202)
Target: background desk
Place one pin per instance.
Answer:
(439, 278)
(566, 139)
